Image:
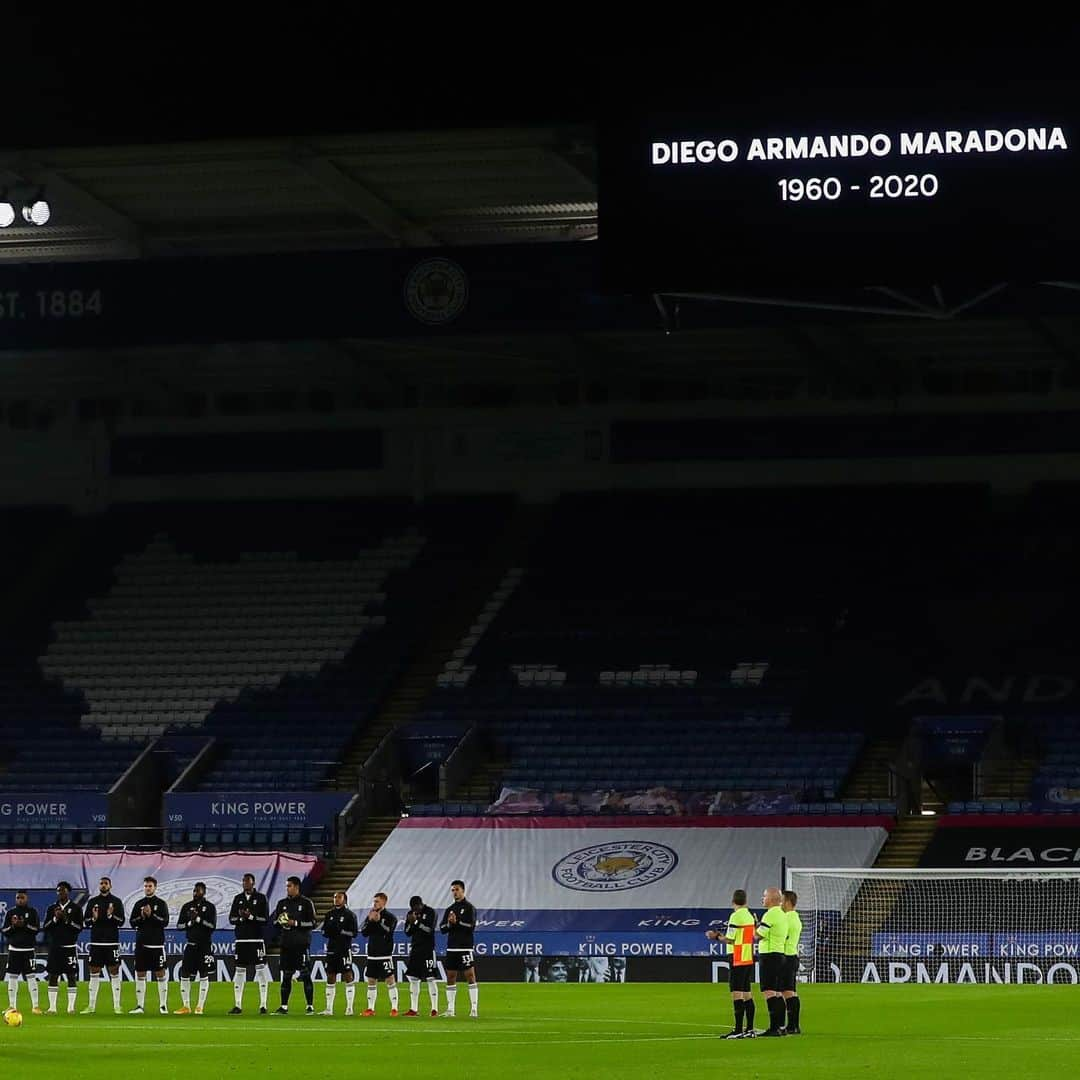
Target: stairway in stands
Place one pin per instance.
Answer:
(475, 574)
(869, 779)
(876, 898)
(354, 856)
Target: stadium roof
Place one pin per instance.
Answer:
(246, 196)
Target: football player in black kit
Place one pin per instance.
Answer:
(21, 930)
(104, 916)
(378, 928)
(420, 930)
(459, 925)
(295, 914)
(62, 926)
(198, 918)
(149, 917)
(340, 929)
(249, 914)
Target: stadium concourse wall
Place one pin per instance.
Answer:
(605, 899)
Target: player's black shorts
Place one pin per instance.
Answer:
(197, 960)
(20, 962)
(772, 971)
(295, 958)
(379, 969)
(790, 972)
(741, 978)
(250, 953)
(338, 963)
(63, 960)
(459, 959)
(422, 967)
(149, 957)
(104, 956)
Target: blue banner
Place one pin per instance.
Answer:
(1020, 946)
(53, 810)
(257, 810)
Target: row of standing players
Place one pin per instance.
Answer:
(249, 914)
(777, 935)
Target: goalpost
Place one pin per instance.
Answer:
(1013, 925)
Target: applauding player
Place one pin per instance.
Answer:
(149, 918)
(420, 930)
(340, 929)
(459, 925)
(198, 917)
(21, 930)
(62, 926)
(378, 928)
(104, 916)
(295, 915)
(249, 914)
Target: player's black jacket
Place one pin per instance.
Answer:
(63, 924)
(459, 935)
(380, 935)
(21, 937)
(421, 933)
(104, 928)
(302, 910)
(150, 929)
(198, 919)
(339, 928)
(250, 912)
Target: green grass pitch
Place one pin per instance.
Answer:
(528, 1030)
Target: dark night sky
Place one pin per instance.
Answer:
(65, 83)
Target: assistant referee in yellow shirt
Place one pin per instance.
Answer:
(772, 937)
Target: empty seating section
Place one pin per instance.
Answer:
(653, 641)
(47, 750)
(175, 635)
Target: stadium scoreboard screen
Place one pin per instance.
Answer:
(852, 187)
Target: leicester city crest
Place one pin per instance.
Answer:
(615, 866)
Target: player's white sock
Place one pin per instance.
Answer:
(372, 993)
(53, 991)
(393, 992)
(140, 991)
(238, 986)
(331, 993)
(204, 989)
(451, 999)
(95, 986)
(12, 991)
(262, 977)
(116, 983)
(185, 992)
(32, 986)
(433, 994)
(72, 992)
(350, 996)
(474, 996)
(414, 995)
(162, 993)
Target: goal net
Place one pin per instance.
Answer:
(938, 926)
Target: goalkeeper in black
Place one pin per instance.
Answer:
(198, 918)
(295, 916)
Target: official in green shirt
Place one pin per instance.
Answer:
(791, 961)
(739, 936)
(772, 937)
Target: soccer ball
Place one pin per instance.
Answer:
(12, 1017)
